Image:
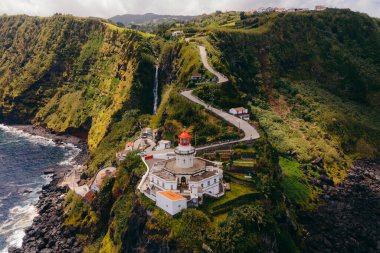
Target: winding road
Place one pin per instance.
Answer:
(250, 132)
(220, 76)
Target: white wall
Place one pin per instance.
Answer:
(172, 207)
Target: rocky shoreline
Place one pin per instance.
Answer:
(58, 138)
(47, 233)
(349, 221)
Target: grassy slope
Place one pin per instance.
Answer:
(311, 80)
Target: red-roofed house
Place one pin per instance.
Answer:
(129, 146)
(196, 77)
(240, 112)
(320, 7)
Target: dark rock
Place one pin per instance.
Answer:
(346, 220)
(49, 171)
(318, 161)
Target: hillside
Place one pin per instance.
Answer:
(128, 19)
(310, 79)
(313, 86)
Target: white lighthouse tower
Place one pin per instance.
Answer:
(184, 152)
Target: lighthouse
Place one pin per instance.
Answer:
(184, 152)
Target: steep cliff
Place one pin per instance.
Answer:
(72, 74)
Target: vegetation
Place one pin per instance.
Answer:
(310, 79)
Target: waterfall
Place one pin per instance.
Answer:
(155, 91)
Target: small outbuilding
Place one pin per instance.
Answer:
(171, 202)
(163, 144)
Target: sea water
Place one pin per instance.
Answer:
(23, 159)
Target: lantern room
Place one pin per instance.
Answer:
(184, 139)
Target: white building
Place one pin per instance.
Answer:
(171, 202)
(178, 33)
(189, 176)
(279, 9)
(240, 112)
(163, 144)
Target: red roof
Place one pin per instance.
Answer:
(129, 144)
(184, 135)
(239, 109)
(89, 197)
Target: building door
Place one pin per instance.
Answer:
(183, 181)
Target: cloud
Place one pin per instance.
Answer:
(108, 8)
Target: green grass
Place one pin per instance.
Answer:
(294, 183)
(237, 191)
(244, 163)
(123, 29)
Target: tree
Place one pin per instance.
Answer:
(193, 227)
(242, 15)
(239, 232)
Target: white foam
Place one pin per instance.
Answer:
(32, 138)
(70, 156)
(20, 217)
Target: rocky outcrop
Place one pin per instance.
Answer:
(47, 234)
(349, 220)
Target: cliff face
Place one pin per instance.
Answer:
(70, 74)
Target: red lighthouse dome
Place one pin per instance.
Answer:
(184, 139)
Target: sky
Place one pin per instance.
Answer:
(109, 8)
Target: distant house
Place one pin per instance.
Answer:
(279, 9)
(320, 8)
(163, 144)
(178, 33)
(196, 77)
(171, 202)
(129, 146)
(240, 112)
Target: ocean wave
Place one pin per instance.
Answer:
(2, 198)
(72, 153)
(20, 217)
(32, 138)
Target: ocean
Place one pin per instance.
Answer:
(23, 159)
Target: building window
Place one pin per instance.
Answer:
(202, 185)
(215, 180)
(171, 187)
(179, 205)
(208, 183)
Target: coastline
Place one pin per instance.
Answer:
(59, 139)
(349, 218)
(46, 234)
